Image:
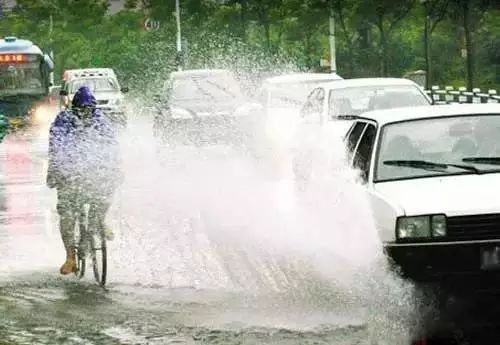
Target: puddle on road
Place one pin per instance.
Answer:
(283, 266)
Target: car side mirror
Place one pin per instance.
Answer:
(63, 93)
(125, 89)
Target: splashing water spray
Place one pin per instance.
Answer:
(210, 218)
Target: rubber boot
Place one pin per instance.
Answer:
(69, 265)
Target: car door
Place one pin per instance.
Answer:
(361, 141)
(362, 154)
(354, 134)
(310, 118)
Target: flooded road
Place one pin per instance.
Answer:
(47, 310)
(209, 249)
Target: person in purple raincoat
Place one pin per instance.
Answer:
(84, 167)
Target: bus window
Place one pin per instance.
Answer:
(20, 77)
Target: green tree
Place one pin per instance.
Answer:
(434, 12)
(131, 4)
(385, 16)
(467, 15)
(374, 37)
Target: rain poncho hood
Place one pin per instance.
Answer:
(83, 98)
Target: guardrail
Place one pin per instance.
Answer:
(449, 95)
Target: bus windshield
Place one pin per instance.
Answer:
(21, 79)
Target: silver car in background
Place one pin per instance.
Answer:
(330, 108)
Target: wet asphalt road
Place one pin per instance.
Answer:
(37, 306)
(160, 304)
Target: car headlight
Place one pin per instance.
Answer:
(438, 225)
(421, 227)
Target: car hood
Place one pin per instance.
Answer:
(452, 195)
(208, 109)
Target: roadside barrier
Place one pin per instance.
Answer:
(449, 95)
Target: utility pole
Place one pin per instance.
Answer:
(468, 45)
(51, 47)
(333, 60)
(427, 46)
(179, 40)
(51, 28)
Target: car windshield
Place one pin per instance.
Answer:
(22, 77)
(95, 84)
(357, 100)
(440, 146)
(205, 88)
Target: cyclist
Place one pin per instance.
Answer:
(84, 167)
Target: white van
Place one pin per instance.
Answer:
(104, 85)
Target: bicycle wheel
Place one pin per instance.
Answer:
(99, 258)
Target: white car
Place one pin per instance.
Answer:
(330, 108)
(104, 85)
(432, 174)
(282, 98)
(291, 90)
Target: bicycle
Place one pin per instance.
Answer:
(91, 243)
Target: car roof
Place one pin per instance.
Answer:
(93, 76)
(302, 78)
(199, 72)
(82, 73)
(360, 82)
(430, 111)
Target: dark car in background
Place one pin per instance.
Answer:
(204, 107)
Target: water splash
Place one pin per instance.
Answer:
(214, 218)
(217, 218)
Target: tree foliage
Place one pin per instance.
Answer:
(373, 37)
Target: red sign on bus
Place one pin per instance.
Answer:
(13, 58)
